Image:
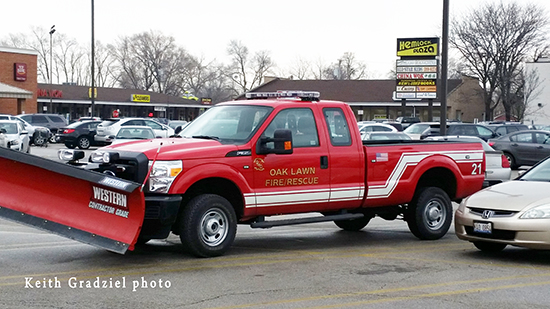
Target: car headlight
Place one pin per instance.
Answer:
(539, 212)
(163, 174)
(100, 156)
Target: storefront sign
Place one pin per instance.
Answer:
(141, 98)
(20, 72)
(417, 47)
(45, 93)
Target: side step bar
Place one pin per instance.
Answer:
(261, 223)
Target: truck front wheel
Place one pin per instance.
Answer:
(430, 213)
(208, 225)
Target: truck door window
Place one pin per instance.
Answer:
(298, 120)
(337, 126)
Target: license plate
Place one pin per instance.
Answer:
(483, 227)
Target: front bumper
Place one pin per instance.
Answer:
(528, 233)
(161, 213)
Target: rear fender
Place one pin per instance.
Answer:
(83, 205)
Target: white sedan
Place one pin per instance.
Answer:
(132, 133)
(16, 135)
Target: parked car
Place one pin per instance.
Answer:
(17, 136)
(177, 123)
(38, 135)
(407, 121)
(503, 128)
(514, 213)
(51, 121)
(415, 130)
(523, 147)
(3, 139)
(463, 129)
(79, 134)
(111, 126)
(376, 127)
(385, 136)
(132, 133)
(497, 166)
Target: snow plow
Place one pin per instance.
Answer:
(83, 205)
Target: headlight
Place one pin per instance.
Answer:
(163, 174)
(70, 154)
(539, 212)
(14, 142)
(100, 156)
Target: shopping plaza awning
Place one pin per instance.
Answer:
(7, 91)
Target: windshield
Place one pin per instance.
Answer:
(228, 124)
(10, 128)
(540, 172)
(416, 128)
(135, 133)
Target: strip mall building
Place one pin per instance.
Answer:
(21, 94)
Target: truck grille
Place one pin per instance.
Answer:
(130, 166)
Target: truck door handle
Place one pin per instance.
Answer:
(324, 162)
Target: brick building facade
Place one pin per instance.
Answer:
(18, 81)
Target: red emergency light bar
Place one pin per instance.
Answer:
(304, 95)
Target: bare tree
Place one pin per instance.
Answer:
(495, 41)
(246, 73)
(149, 61)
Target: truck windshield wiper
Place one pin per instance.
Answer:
(206, 137)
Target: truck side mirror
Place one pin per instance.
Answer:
(282, 143)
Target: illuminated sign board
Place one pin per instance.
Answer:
(20, 72)
(418, 47)
(141, 98)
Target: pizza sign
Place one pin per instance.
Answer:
(20, 72)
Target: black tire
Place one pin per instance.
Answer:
(208, 225)
(353, 225)
(430, 213)
(39, 140)
(511, 160)
(489, 246)
(83, 142)
(70, 146)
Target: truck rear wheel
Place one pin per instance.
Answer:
(208, 225)
(353, 225)
(430, 214)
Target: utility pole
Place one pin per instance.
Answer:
(52, 31)
(93, 63)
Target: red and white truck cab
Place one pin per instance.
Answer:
(248, 161)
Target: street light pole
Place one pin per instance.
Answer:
(93, 64)
(52, 30)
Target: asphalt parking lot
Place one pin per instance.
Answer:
(303, 266)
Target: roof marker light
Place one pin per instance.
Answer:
(304, 95)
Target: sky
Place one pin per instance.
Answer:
(291, 30)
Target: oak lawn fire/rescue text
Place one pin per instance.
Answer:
(292, 181)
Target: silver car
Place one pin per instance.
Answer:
(497, 166)
(514, 213)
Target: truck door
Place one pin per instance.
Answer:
(347, 163)
(297, 182)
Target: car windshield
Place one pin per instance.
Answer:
(540, 172)
(135, 133)
(10, 128)
(228, 124)
(416, 128)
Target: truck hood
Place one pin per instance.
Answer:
(177, 148)
(513, 195)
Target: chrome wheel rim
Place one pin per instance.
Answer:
(214, 227)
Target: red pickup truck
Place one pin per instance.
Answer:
(246, 162)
